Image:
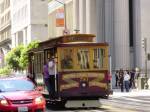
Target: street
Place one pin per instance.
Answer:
(119, 102)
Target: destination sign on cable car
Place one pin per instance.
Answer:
(78, 39)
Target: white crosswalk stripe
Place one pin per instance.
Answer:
(138, 103)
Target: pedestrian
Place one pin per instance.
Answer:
(117, 77)
(126, 80)
(121, 78)
(46, 75)
(132, 79)
(52, 73)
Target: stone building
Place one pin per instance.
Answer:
(29, 21)
(5, 30)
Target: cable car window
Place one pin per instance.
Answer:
(67, 59)
(83, 58)
(98, 60)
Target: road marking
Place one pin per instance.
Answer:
(116, 109)
(136, 100)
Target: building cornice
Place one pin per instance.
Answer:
(4, 42)
(5, 25)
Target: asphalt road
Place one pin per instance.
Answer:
(135, 103)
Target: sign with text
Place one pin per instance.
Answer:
(60, 17)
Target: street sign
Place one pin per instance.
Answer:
(60, 17)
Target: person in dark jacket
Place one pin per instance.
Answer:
(132, 79)
(121, 80)
(46, 76)
(117, 77)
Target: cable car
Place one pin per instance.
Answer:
(82, 69)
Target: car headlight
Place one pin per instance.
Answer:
(4, 102)
(39, 100)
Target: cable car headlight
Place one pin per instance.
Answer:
(83, 84)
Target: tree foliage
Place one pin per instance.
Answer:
(13, 57)
(24, 54)
(4, 71)
(17, 58)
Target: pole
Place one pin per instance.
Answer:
(55, 75)
(146, 77)
(65, 16)
(110, 70)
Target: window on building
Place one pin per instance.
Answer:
(2, 8)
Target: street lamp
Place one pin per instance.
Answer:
(110, 70)
(65, 18)
(144, 45)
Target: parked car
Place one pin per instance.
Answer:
(20, 95)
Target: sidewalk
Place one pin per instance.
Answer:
(133, 92)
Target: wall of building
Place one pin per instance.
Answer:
(20, 14)
(4, 20)
(39, 31)
(38, 12)
(53, 30)
(30, 18)
(137, 33)
(5, 29)
(121, 34)
(145, 29)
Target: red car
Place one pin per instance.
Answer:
(20, 95)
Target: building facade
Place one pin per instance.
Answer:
(60, 17)
(5, 30)
(29, 21)
(121, 23)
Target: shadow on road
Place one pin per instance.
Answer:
(59, 108)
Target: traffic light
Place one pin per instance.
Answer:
(143, 42)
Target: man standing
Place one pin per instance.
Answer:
(117, 78)
(132, 79)
(51, 65)
(121, 78)
(46, 75)
(126, 81)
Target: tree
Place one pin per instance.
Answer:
(17, 58)
(13, 57)
(24, 54)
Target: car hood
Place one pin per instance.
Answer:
(19, 95)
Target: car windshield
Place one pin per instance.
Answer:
(16, 85)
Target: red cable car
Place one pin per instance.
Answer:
(82, 69)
